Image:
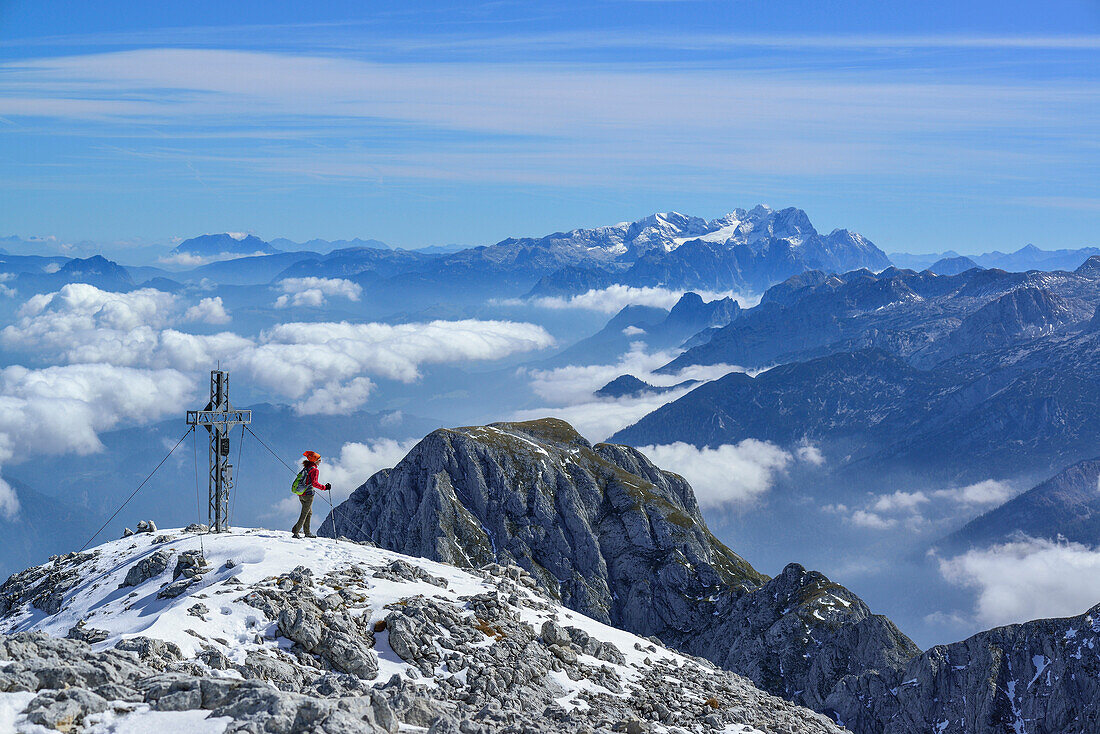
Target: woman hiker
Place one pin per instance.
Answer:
(304, 484)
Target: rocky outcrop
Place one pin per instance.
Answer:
(1033, 677)
(614, 537)
(631, 386)
(812, 638)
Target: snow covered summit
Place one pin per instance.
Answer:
(255, 631)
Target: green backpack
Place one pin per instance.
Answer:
(301, 483)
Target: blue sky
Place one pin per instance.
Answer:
(924, 126)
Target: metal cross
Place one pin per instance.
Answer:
(218, 417)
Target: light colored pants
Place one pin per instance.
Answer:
(306, 516)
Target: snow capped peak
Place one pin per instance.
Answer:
(237, 235)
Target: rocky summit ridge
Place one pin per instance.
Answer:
(609, 534)
(603, 531)
(252, 631)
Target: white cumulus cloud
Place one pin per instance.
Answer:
(929, 509)
(83, 324)
(324, 367)
(9, 501)
(732, 474)
(1027, 579)
(208, 310)
(986, 493)
(395, 351)
(313, 291)
(899, 501)
(865, 519)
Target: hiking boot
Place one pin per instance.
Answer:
(297, 536)
(310, 535)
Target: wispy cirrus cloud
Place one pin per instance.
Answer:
(549, 119)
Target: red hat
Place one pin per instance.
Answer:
(312, 456)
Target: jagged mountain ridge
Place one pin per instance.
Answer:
(747, 250)
(967, 377)
(253, 631)
(1004, 414)
(910, 314)
(614, 537)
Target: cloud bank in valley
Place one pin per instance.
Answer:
(324, 367)
(1027, 578)
(616, 297)
(62, 409)
(568, 392)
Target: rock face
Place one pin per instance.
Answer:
(357, 640)
(808, 613)
(1033, 677)
(614, 537)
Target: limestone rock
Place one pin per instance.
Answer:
(149, 567)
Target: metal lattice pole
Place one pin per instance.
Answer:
(218, 417)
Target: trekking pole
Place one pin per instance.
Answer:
(332, 514)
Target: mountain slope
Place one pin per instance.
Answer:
(1004, 414)
(1067, 505)
(614, 537)
(922, 317)
(253, 631)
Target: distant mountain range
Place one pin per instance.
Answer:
(1028, 257)
(745, 250)
(977, 375)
